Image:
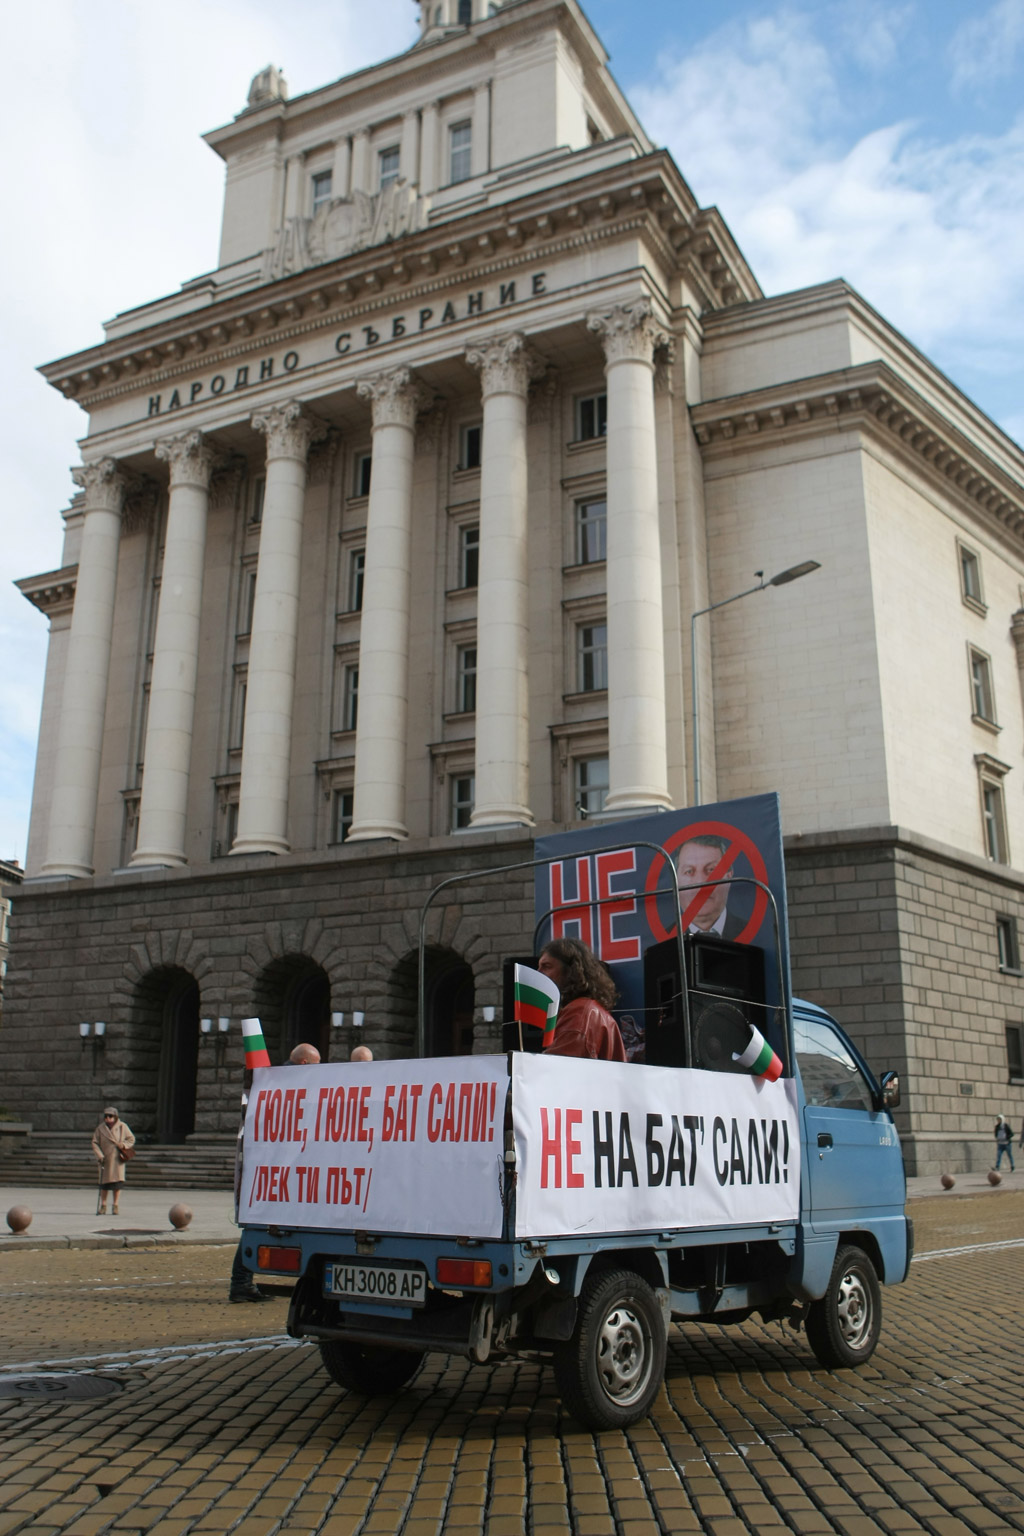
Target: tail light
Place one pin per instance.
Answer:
(463, 1272)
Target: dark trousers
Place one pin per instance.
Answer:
(241, 1274)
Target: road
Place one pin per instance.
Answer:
(216, 1423)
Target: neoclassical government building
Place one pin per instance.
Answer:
(418, 528)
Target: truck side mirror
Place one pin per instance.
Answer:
(890, 1094)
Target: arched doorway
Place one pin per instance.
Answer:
(293, 1001)
(450, 993)
(164, 1055)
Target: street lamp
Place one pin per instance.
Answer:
(791, 573)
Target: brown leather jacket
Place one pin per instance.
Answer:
(584, 1028)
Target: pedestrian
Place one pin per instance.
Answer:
(112, 1143)
(242, 1286)
(361, 1053)
(1004, 1141)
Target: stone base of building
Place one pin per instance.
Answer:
(894, 935)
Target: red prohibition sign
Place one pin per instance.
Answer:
(739, 843)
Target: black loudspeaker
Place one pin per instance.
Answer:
(532, 1037)
(725, 991)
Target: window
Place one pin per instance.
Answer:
(231, 824)
(590, 776)
(591, 417)
(1015, 1052)
(323, 182)
(994, 818)
(465, 680)
(349, 697)
(247, 605)
(831, 1077)
(342, 808)
(469, 555)
(356, 572)
(460, 143)
(388, 166)
(465, 12)
(970, 578)
(1009, 949)
(591, 529)
(238, 708)
(463, 793)
(259, 490)
(470, 439)
(982, 703)
(591, 657)
(361, 475)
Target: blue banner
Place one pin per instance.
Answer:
(607, 887)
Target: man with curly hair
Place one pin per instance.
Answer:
(584, 1026)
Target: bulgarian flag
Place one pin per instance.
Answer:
(536, 999)
(256, 1054)
(759, 1059)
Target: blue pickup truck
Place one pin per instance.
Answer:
(570, 1211)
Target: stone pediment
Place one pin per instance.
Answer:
(344, 225)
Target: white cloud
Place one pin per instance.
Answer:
(111, 199)
(929, 232)
(986, 47)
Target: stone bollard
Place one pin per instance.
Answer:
(19, 1219)
(180, 1216)
(947, 1181)
(995, 1178)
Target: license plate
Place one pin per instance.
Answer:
(376, 1282)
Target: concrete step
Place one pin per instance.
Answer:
(52, 1160)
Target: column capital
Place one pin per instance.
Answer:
(289, 429)
(506, 363)
(629, 333)
(1017, 634)
(190, 457)
(105, 484)
(395, 397)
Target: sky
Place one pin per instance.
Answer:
(881, 141)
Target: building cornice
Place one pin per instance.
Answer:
(51, 592)
(872, 398)
(647, 197)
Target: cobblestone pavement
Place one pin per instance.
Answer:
(218, 1424)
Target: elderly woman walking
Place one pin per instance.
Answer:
(112, 1142)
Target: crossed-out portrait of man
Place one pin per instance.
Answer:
(696, 862)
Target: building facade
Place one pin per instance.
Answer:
(396, 542)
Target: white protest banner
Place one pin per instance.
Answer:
(386, 1146)
(607, 1147)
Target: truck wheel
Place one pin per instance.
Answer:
(609, 1372)
(370, 1369)
(843, 1327)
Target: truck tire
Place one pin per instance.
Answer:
(370, 1369)
(843, 1327)
(609, 1372)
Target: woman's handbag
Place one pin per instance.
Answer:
(126, 1154)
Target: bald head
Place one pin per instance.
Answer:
(305, 1056)
(361, 1053)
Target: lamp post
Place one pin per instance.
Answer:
(791, 573)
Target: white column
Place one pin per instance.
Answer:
(502, 703)
(76, 774)
(266, 740)
(428, 148)
(294, 190)
(481, 141)
(361, 162)
(409, 153)
(382, 721)
(638, 765)
(342, 167)
(172, 692)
